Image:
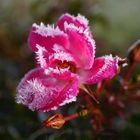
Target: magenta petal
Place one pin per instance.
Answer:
(82, 47)
(79, 21)
(104, 68)
(42, 56)
(46, 36)
(46, 59)
(41, 92)
(60, 74)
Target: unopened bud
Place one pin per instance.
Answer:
(55, 121)
(134, 52)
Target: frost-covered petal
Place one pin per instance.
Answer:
(104, 68)
(46, 36)
(42, 56)
(79, 21)
(60, 53)
(46, 59)
(61, 68)
(41, 92)
(82, 46)
(58, 73)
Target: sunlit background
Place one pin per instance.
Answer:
(115, 25)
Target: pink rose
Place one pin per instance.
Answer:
(65, 53)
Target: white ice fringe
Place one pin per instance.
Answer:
(60, 54)
(48, 30)
(40, 55)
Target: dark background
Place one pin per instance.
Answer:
(115, 25)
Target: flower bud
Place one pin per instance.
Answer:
(134, 52)
(55, 121)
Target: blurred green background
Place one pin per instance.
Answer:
(115, 25)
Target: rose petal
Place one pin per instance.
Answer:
(82, 46)
(104, 68)
(79, 21)
(41, 92)
(46, 36)
(52, 60)
(60, 74)
(42, 56)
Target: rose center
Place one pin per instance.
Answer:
(65, 64)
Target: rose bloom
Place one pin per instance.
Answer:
(65, 53)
